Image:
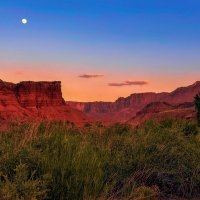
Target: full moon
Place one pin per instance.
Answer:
(24, 21)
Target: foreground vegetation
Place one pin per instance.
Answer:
(56, 160)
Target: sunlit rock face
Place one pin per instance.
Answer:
(124, 109)
(39, 94)
(38, 101)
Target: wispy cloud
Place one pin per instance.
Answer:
(91, 75)
(128, 83)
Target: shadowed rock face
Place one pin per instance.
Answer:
(160, 110)
(124, 109)
(36, 100)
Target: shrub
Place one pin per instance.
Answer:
(23, 185)
(190, 128)
(87, 125)
(116, 162)
(167, 123)
(99, 124)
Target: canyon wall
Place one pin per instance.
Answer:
(36, 100)
(124, 109)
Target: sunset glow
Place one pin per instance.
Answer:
(101, 51)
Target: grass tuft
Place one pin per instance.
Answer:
(56, 160)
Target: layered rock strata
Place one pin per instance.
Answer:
(125, 108)
(36, 100)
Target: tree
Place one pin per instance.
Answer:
(197, 106)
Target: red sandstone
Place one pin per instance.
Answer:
(38, 101)
(124, 109)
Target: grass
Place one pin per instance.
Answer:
(55, 160)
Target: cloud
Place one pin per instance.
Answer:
(128, 83)
(91, 75)
(115, 84)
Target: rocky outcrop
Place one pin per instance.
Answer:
(161, 110)
(182, 94)
(125, 108)
(39, 94)
(36, 100)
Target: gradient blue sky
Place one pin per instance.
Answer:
(155, 41)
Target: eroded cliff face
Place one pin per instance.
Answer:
(39, 94)
(183, 94)
(135, 101)
(124, 109)
(119, 111)
(36, 100)
(31, 94)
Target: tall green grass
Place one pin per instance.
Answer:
(55, 160)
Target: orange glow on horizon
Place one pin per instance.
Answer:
(75, 88)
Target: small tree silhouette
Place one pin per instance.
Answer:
(197, 106)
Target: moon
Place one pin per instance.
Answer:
(24, 21)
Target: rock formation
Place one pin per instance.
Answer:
(124, 109)
(161, 110)
(38, 101)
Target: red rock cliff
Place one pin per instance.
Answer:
(125, 108)
(36, 100)
(39, 94)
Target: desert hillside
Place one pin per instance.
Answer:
(159, 111)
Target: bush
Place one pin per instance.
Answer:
(99, 124)
(190, 128)
(117, 162)
(87, 125)
(23, 185)
(167, 123)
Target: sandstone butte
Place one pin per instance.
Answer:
(124, 109)
(37, 101)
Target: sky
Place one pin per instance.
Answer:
(101, 49)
